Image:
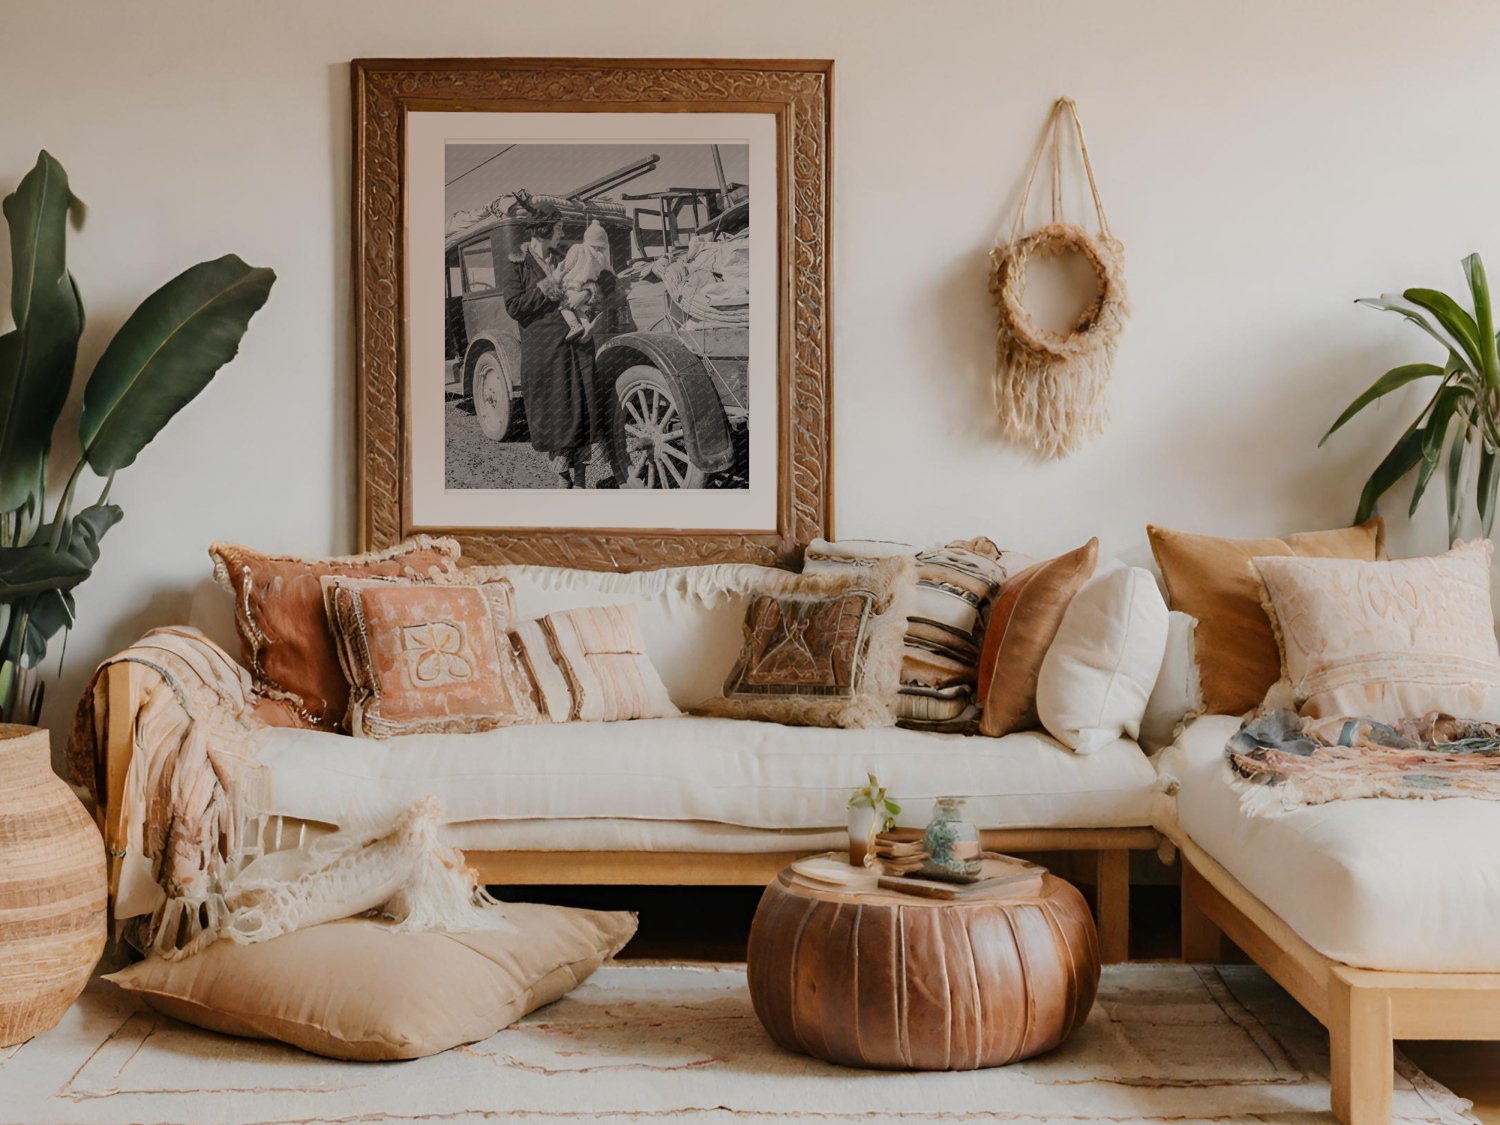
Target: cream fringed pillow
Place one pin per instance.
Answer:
(824, 650)
(356, 990)
(1388, 640)
(590, 665)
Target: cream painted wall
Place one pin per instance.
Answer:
(1264, 164)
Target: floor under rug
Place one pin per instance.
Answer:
(639, 1042)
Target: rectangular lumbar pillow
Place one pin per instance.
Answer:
(285, 639)
(1214, 580)
(590, 665)
(1388, 640)
(357, 990)
(1102, 664)
(823, 649)
(427, 657)
(1025, 619)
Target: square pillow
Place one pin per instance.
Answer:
(285, 640)
(1026, 617)
(1177, 695)
(1100, 668)
(425, 657)
(823, 649)
(955, 587)
(1213, 580)
(358, 990)
(590, 665)
(1387, 640)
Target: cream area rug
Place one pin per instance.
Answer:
(644, 1042)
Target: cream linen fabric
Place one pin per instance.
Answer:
(1378, 884)
(1099, 670)
(1386, 639)
(589, 665)
(356, 990)
(731, 771)
(1177, 693)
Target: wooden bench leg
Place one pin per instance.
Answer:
(1361, 1052)
(1112, 886)
(1202, 941)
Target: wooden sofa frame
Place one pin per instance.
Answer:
(1364, 1010)
(1111, 846)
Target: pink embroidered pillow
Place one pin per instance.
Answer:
(590, 665)
(427, 657)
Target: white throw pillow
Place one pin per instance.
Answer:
(1098, 674)
(1178, 694)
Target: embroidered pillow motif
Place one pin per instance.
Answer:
(590, 665)
(285, 639)
(427, 657)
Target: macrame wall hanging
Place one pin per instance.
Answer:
(1049, 386)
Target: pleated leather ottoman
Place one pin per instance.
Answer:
(888, 980)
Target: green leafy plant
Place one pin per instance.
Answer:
(873, 796)
(162, 356)
(1457, 427)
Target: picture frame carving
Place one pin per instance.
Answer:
(797, 93)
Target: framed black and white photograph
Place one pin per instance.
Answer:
(595, 300)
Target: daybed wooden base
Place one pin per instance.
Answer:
(1364, 1010)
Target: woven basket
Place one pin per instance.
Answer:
(52, 889)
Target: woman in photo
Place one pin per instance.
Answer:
(565, 410)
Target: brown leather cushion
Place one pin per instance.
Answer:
(285, 640)
(1022, 624)
(1214, 580)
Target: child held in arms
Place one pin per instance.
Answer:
(579, 275)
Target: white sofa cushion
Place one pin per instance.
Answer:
(731, 771)
(1378, 884)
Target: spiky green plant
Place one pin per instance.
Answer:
(1457, 427)
(163, 355)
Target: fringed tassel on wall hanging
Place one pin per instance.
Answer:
(1049, 386)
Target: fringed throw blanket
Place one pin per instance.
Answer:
(1281, 761)
(191, 842)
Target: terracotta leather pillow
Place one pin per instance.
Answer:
(1023, 622)
(285, 640)
(427, 657)
(1215, 581)
(358, 990)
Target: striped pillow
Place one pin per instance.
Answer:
(956, 583)
(590, 665)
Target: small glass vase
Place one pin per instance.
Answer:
(951, 843)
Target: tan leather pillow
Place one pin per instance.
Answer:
(356, 990)
(1023, 623)
(1214, 580)
(285, 640)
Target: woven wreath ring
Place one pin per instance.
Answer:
(1100, 320)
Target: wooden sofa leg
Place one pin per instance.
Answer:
(1361, 1052)
(1202, 941)
(1112, 886)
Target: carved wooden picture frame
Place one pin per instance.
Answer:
(788, 102)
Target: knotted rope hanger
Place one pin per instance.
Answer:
(1049, 386)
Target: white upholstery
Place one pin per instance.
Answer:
(730, 771)
(1379, 884)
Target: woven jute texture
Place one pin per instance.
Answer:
(52, 889)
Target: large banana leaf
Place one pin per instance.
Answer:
(1393, 379)
(37, 567)
(164, 355)
(37, 356)
(42, 610)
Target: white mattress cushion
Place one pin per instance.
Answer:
(1377, 883)
(730, 771)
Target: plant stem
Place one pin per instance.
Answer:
(65, 504)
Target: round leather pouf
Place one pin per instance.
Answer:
(889, 980)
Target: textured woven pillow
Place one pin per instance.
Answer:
(1025, 619)
(590, 665)
(1214, 581)
(823, 649)
(425, 657)
(356, 990)
(1390, 640)
(956, 584)
(285, 640)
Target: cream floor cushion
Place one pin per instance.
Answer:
(728, 771)
(1379, 884)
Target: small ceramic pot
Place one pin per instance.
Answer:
(861, 832)
(951, 843)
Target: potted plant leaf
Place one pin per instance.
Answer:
(1457, 426)
(164, 354)
(871, 811)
